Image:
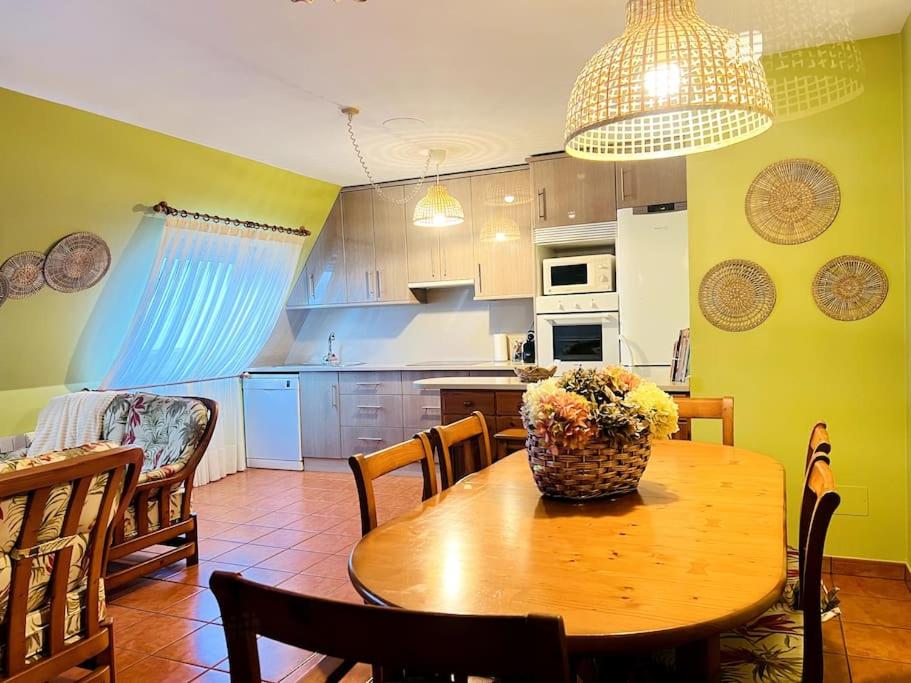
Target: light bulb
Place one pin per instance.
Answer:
(509, 199)
(662, 81)
(439, 219)
(501, 237)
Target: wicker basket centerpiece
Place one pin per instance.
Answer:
(590, 432)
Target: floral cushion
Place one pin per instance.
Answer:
(767, 649)
(167, 428)
(12, 514)
(129, 519)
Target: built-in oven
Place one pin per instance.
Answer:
(574, 331)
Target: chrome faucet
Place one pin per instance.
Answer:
(331, 358)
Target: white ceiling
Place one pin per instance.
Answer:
(264, 78)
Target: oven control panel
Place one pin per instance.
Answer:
(578, 303)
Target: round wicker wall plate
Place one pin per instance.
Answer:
(793, 201)
(737, 295)
(850, 288)
(24, 272)
(4, 289)
(77, 262)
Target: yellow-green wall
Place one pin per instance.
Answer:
(800, 366)
(906, 71)
(65, 170)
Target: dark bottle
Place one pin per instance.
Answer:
(528, 348)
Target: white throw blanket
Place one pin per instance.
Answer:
(71, 420)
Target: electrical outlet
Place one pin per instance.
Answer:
(855, 501)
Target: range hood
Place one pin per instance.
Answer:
(441, 284)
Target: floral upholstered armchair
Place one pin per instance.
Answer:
(56, 516)
(173, 433)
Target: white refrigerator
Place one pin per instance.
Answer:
(653, 288)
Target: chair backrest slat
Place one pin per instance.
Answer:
(367, 468)
(819, 444)
(710, 409)
(468, 439)
(531, 648)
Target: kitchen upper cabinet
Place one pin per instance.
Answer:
(501, 222)
(360, 252)
(320, 417)
(325, 275)
(441, 254)
(658, 181)
(390, 272)
(570, 191)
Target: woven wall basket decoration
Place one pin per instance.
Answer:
(25, 273)
(77, 262)
(850, 288)
(737, 295)
(4, 289)
(793, 201)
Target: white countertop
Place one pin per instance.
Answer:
(427, 366)
(510, 384)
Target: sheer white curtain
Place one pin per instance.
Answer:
(211, 301)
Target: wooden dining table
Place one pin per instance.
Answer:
(699, 549)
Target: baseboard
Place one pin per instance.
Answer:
(872, 569)
(908, 576)
(294, 465)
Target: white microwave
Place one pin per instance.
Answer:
(579, 274)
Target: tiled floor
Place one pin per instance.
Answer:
(295, 530)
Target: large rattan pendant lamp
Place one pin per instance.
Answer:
(672, 84)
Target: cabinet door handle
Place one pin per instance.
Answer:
(335, 396)
(370, 407)
(480, 281)
(623, 194)
(379, 294)
(435, 409)
(542, 204)
(367, 281)
(312, 287)
(370, 438)
(367, 384)
(467, 403)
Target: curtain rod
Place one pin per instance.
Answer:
(163, 207)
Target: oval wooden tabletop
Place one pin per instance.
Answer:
(699, 549)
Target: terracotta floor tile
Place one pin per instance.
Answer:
(213, 676)
(198, 575)
(278, 660)
(204, 647)
(875, 571)
(347, 593)
(157, 595)
(242, 533)
(877, 588)
(155, 632)
(306, 507)
(223, 513)
(313, 523)
(878, 642)
(284, 538)
(210, 528)
(835, 668)
(292, 560)
(210, 548)
(276, 520)
(124, 658)
(876, 611)
(124, 617)
(347, 527)
(201, 607)
(248, 555)
(333, 567)
(308, 584)
(159, 669)
(878, 671)
(832, 638)
(269, 577)
(326, 543)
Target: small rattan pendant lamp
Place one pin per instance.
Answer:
(672, 84)
(438, 208)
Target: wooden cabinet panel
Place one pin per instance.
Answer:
(511, 422)
(466, 402)
(319, 400)
(369, 439)
(456, 243)
(326, 277)
(570, 191)
(371, 411)
(503, 269)
(366, 383)
(391, 272)
(423, 245)
(508, 403)
(659, 181)
(421, 412)
(360, 254)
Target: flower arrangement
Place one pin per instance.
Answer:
(609, 404)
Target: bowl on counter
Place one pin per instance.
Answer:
(534, 373)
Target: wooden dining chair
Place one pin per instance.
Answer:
(791, 634)
(709, 409)
(367, 468)
(463, 448)
(819, 444)
(526, 648)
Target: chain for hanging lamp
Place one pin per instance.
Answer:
(672, 84)
(351, 112)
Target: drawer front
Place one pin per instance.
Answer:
(409, 377)
(370, 383)
(369, 439)
(371, 411)
(509, 423)
(508, 402)
(422, 412)
(466, 402)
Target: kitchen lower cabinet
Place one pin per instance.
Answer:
(367, 440)
(320, 416)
